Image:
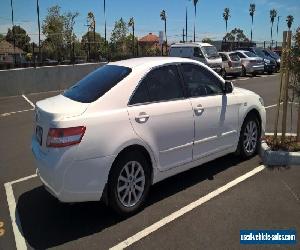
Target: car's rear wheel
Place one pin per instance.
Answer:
(249, 137)
(243, 71)
(223, 73)
(129, 183)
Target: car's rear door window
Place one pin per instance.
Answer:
(97, 83)
(160, 84)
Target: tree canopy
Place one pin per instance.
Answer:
(58, 30)
(21, 37)
(236, 35)
(97, 47)
(207, 40)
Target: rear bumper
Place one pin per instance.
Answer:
(72, 180)
(256, 68)
(234, 70)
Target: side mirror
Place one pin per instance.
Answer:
(228, 88)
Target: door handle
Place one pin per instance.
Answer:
(142, 117)
(198, 110)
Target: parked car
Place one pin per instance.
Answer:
(202, 52)
(48, 61)
(274, 55)
(132, 123)
(269, 62)
(277, 51)
(251, 63)
(231, 64)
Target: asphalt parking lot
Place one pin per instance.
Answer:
(261, 199)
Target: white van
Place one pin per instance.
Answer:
(203, 52)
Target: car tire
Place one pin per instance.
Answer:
(244, 72)
(249, 144)
(223, 73)
(121, 181)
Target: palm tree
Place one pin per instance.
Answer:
(289, 21)
(163, 17)
(91, 22)
(131, 24)
(273, 14)
(226, 16)
(251, 13)
(104, 10)
(91, 27)
(195, 6)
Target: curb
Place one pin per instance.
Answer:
(277, 158)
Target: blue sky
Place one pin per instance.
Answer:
(209, 21)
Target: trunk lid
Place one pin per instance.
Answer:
(51, 110)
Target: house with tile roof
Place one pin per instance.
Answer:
(8, 52)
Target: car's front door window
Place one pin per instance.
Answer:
(200, 82)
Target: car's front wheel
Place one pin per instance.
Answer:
(249, 137)
(129, 183)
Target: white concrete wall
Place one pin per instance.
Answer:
(42, 79)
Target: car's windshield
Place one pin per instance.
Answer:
(272, 53)
(97, 83)
(250, 54)
(210, 51)
(259, 52)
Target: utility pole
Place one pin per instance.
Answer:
(13, 30)
(39, 27)
(183, 35)
(105, 42)
(186, 21)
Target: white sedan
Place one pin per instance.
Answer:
(132, 123)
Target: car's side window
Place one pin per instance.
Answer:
(241, 55)
(224, 58)
(160, 84)
(199, 81)
(141, 94)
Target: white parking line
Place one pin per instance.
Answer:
(14, 216)
(140, 235)
(244, 79)
(30, 102)
(279, 134)
(15, 112)
(271, 106)
(274, 105)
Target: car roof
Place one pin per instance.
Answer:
(243, 51)
(149, 62)
(190, 44)
(227, 52)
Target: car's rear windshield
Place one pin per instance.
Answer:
(234, 57)
(250, 54)
(97, 83)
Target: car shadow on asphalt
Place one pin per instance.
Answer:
(46, 222)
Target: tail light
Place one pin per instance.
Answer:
(229, 64)
(63, 137)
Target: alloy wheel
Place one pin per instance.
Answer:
(131, 184)
(250, 137)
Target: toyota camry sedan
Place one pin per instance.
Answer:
(133, 123)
